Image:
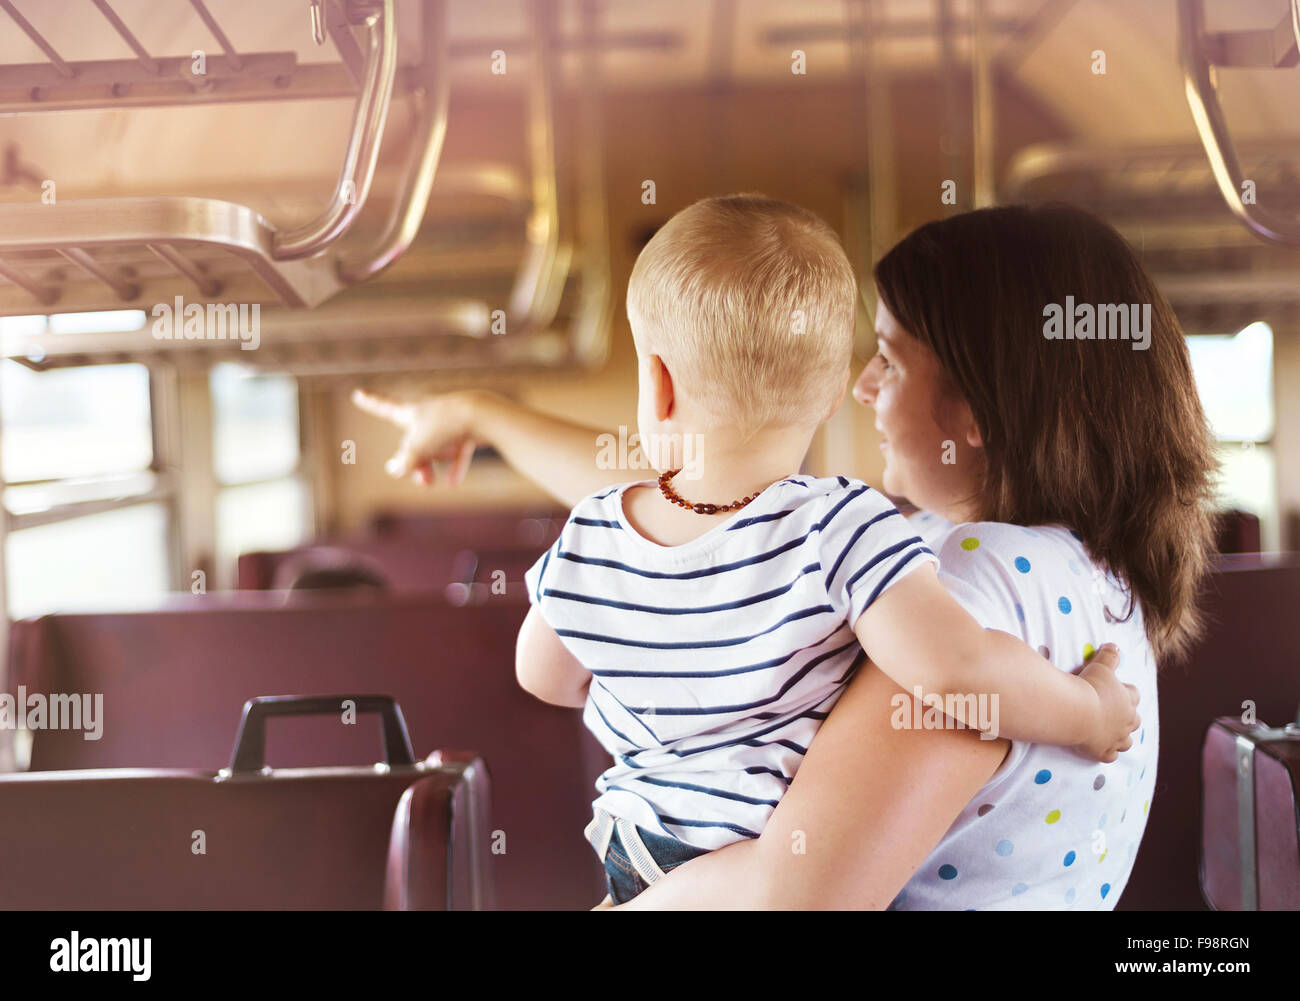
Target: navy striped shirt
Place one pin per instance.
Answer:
(713, 663)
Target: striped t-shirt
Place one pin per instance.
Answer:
(713, 663)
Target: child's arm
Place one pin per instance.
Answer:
(919, 635)
(545, 667)
(558, 455)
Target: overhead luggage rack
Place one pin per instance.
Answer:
(78, 255)
(1216, 273)
(460, 276)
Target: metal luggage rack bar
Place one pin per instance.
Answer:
(1201, 53)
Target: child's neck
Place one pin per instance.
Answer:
(724, 471)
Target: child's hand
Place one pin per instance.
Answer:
(1117, 715)
(436, 430)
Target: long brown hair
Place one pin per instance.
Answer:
(1093, 434)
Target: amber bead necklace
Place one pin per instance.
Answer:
(665, 487)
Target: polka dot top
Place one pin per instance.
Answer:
(1051, 830)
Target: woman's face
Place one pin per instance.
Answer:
(931, 445)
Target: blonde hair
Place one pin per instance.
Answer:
(751, 304)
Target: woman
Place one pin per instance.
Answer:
(1064, 484)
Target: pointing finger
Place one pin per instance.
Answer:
(402, 463)
(460, 465)
(400, 414)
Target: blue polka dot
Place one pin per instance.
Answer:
(1069, 896)
(1022, 564)
(1020, 613)
(947, 872)
(1102, 822)
(1042, 777)
(1076, 535)
(1105, 889)
(1141, 736)
(1069, 858)
(1064, 605)
(1143, 774)
(1004, 847)
(1018, 889)
(1074, 568)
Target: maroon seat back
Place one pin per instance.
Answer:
(414, 564)
(176, 839)
(421, 874)
(524, 529)
(1252, 608)
(174, 679)
(1237, 531)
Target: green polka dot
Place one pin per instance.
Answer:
(1053, 817)
(1088, 651)
(970, 543)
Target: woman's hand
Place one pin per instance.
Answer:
(437, 431)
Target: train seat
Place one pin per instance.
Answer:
(1247, 652)
(402, 563)
(173, 679)
(125, 839)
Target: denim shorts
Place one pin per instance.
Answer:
(634, 857)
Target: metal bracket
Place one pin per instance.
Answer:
(1197, 52)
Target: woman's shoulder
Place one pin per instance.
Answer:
(1016, 548)
(999, 570)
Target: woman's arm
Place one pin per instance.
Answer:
(557, 455)
(866, 808)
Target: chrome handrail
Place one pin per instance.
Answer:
(422, 161)
(590, 333)
(351, 191)
(1203, 99)
(535, 297)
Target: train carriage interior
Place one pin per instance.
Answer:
(227, 623)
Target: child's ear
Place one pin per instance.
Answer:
(839, 400)
(661, 388)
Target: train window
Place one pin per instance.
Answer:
(119, 556)
(262, 502)
(75, 423)
(81, 496)
(1234, 376)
